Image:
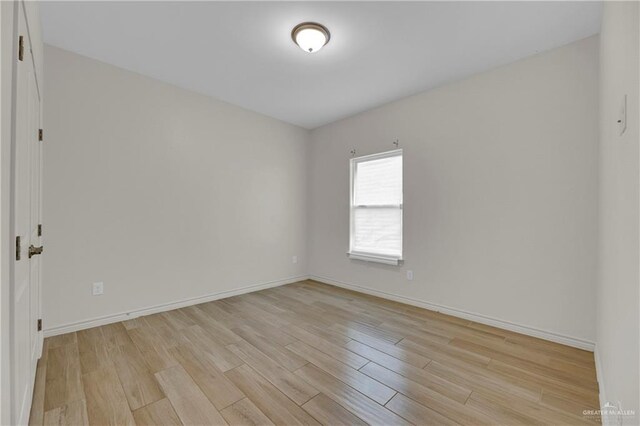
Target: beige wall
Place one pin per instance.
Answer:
(618, 327)
(500, 197)
(160, 193)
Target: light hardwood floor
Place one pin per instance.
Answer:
(309, 353)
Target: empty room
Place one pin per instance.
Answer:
(319, 213)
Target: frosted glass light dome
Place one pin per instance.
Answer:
(310, 37)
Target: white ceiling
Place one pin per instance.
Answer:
(241, 52)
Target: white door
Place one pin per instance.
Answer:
(26, 342)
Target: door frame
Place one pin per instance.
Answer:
(8, 18)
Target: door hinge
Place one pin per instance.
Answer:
(39, 325)
(40, 230)
(40, 135)
(18, 248)
(21, 48)
(33, 250)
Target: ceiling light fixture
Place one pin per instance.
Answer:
(310, 36)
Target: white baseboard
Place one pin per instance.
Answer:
(483, 319)
(602, 395)
(123, 316)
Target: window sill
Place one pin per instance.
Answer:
(388, 260)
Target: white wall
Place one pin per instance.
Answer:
(618, 327)
(500, 193)
(161, 193)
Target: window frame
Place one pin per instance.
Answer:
(369, 256)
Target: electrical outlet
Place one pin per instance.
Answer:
(98, 289)
(410, 275)
(294, 259)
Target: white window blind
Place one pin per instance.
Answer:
(376, 207)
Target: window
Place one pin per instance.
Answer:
(376, 208)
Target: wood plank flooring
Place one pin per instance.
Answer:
(308, 353)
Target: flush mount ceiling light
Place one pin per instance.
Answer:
(310, 36)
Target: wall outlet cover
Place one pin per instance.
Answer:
(98, 289)
(410, 275)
